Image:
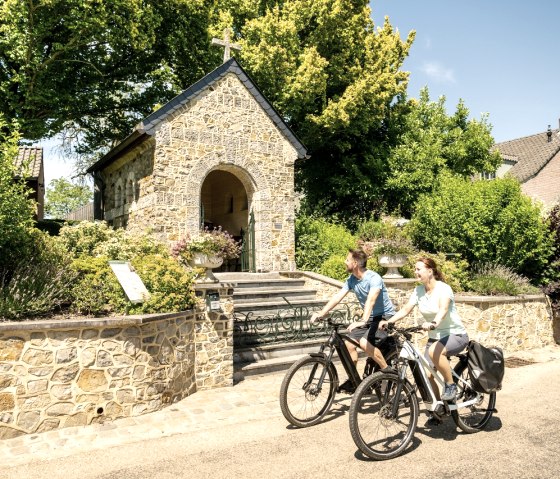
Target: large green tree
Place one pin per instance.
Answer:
(426, 143)
(333, 76)
(64, 196)
(92, 68)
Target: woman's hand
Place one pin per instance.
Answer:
(355, 324)
(383, 324)
(428, 326)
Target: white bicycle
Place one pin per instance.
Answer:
(385, 407)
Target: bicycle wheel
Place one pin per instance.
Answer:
(475, 417)
(378, 432)
(303, 401)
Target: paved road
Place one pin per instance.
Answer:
(239, 432)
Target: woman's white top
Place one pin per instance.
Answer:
(428, 305)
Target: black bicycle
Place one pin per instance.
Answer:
(311, 383)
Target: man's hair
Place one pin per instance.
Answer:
(359, 256)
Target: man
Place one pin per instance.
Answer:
(376, 304)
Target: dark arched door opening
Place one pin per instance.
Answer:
(224, 203)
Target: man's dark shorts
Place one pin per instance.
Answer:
(370, 331)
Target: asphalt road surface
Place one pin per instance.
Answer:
(521, 441)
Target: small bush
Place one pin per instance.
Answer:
(170, 285)
(122, 245)
(335, 268)
(455, 271)
(493, 279)
(318, 239)
(98, 292)
(40, 283)
(84, 237)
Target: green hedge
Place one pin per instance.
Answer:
(485, 222)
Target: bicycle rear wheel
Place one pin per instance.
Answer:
(303, 401)
(475, 417)
(378, 432)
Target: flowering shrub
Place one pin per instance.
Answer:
(214, 242)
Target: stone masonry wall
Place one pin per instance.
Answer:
(55, 374)
(512, 323)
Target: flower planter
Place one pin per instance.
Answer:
(392, 262)
(202, 260)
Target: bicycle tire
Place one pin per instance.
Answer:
(375, 433)
(301, 403)
(472, 418)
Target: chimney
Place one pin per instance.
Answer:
(549, 134)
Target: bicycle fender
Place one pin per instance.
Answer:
(318, 355)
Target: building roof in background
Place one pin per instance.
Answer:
(530, 153)
(32, 158)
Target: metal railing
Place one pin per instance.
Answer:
(287, 325)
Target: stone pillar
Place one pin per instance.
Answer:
(214, 335)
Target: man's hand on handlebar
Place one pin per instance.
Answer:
(383, 324)
(316, 317)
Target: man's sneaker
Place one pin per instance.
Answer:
(346, 387)
(449, 392)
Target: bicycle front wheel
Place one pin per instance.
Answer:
(474, 417)
(304, 402)
(382, 424)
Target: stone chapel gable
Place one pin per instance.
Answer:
(216, 155)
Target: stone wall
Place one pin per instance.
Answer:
(512, 323)
(55, 374)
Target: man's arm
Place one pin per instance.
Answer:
(337, 298)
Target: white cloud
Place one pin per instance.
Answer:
(438, 72)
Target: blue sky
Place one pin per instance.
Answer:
(497, 55)
(501, 57)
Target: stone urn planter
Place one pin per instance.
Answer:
(392, 262)
(202, 260)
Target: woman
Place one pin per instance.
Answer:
(447, 335)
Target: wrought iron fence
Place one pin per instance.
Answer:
(287, 325)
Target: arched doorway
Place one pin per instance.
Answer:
(224, 202)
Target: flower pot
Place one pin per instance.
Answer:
(392, 262)
(202, 260)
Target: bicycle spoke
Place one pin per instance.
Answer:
(376, 429)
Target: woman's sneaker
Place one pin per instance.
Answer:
(449, 392)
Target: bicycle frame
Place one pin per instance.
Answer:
(336, 343)
(410, 354)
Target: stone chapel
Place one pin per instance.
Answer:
(218, 154)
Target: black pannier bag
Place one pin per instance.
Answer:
(486, 367)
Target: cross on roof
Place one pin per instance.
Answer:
(226, 44)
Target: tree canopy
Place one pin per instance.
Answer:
(92, 68)
(64, 196)
(428, 143)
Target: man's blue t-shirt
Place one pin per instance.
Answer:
(361, 287)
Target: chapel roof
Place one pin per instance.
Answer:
(530, 153)
(32, 157)
(148, 126)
